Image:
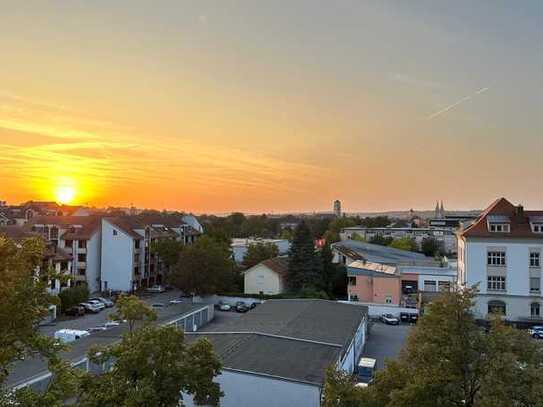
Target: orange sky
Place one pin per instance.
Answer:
(203, 108)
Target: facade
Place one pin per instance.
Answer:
(128, 261)
(501, 255)
(384, 275)
(276, 355)
(267, 277)
(239, 246)
(445, 235)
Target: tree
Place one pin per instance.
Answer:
(339, 391)
(73, 296)
(334, 276)
(404, 243)
(335, 226)
(152, 366)
(133, 310)
(450, 361)
(168, 250)
(431, 247)
(259, 252)
(24, 303)
(204, 267)
(304, 266)
(381, 240)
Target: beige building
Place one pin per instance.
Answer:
(267, 277)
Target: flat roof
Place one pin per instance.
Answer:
(375, 253)
(22, 371)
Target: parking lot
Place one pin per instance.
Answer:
(386, 341)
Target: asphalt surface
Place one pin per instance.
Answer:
(93, 320)
(386, 341)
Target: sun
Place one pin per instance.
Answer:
(65, 194)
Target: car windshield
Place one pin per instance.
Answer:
(364, 371)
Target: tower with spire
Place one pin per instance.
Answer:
(440, 210)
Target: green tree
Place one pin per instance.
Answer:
(305, 265)
(204, 267)
(168, 250)
(152, 366)
(431, 247)
(339, 391)
(24, 303)
(133, 310)
(73, 296)
(381, 240)
(404, 243)
(334, 276)
(258, 252)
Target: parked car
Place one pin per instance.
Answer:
(253, 304)
(111, 324)
(92, 308)
(404, 316)
(365, 371)
(413, 318)
(75, 311)
(222, 306)
(534, 329)
(176, 301)
(390, 319)
(157, 305)
(97, 329)
(241, 307)
(97, 303)
(107, 303)
(156, 289)
(70, 335)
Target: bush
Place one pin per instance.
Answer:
(73, 296)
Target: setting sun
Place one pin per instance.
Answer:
(65, 194)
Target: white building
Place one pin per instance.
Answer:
(239, 246)
(501, 254)
(277, 354)
(267, 277)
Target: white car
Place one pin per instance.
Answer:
(225, 307)
(70, 335)
(535, 329)
(156, 289)
(111, 324)
(176, 301)
(390, 319)
(97, 303)
(89, 307)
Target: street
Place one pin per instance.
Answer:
(386, 341)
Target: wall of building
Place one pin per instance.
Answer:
(355, 349)
(117, 258)
(94, 262)
(261, 279)
(250, 390)
(376, 310)
(376, 289)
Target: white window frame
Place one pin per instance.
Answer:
(499, 227)
(535, 289)
(535, 259)
(496, 258)
(496, 283)
(532, 308)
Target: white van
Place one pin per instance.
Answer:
(70, 335)
(366, 371)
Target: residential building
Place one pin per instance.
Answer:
(80, 237)
(239, 246)
(500, 254)
(277, 354)
(267, 277)
(384, 275)
(445, 236)
(128, 261)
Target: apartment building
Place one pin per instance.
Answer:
(128, 263)
(78, 236)
(501, 254)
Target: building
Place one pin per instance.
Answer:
(33, 372)
(276, 355)
(337, 208)
(239, 246)
(446, 236)
(500, 253)
(452, 222)
(384, 275)
(128, 261)
(267, 277)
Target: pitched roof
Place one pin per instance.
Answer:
(277, 264)
(17, 233)
(501, 210)
(84, 227)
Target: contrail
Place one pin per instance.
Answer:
(464, 99)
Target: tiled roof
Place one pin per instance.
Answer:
(17, 233)
(504, 211)
(277, 264)
(87, 225)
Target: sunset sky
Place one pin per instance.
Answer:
(215, 106)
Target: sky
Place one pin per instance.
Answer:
(272, 106)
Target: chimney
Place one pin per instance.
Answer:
(519, 210)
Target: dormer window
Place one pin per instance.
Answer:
(499, 227)
(537, 227)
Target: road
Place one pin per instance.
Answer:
(94, 320)
(386, 341)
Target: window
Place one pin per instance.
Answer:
(68, 243)
(534, 309)
(81, 272)
(82, 244)
(354, 298)
(495, 283)
(538, 228)
(136, 244)
(444, 286)
(352, 280)
(495, 258)
(535, 284)
(535, 259)
(53, 284)
(115, 232)
(499, 227)
(82, 257)
(388, 299)
(430, 285)
(497, 307)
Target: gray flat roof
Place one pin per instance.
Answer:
(25, 370)
(383, 254)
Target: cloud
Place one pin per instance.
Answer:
(455, 104)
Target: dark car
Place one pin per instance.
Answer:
(241, 307)
(413, 318)
(75, 311)
(404, 317)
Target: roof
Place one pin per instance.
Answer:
(277, 264)
(504, 211)
(375, 253)
(371, 269)
(160, 225)
(84, 227)
(17, 233)
(295, 339)
(29, 368)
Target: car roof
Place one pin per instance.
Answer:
(367, 362)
